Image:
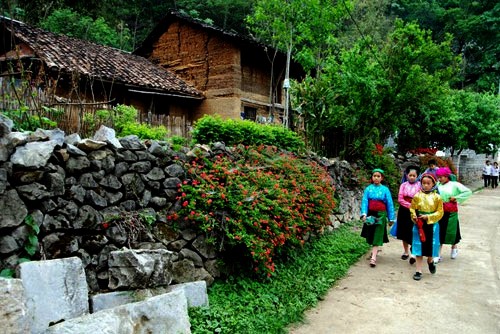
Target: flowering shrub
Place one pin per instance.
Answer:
(257, 200)
(424, 151)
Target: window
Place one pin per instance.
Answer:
(249, 113)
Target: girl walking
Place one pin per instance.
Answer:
(426, 210)
(494, 175)
(377, 209)
(452, 193)
(404, 227)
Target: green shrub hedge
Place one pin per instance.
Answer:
(211, 129)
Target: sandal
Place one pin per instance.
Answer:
(371, 254)
(373, 262)
(405, 256)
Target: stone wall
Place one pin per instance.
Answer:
(469, 165)
(91, 198)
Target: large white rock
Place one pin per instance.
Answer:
(165, 314)
(14, 314)
(56, 291)
(195, 292)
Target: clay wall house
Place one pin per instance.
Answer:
(239, 76)
(79, 77)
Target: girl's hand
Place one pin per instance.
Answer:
(363, 218)
(423, 217)
(453, 199)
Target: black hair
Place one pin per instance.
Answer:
(432, 162)
(412, 167)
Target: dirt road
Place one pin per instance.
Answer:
(462, 297)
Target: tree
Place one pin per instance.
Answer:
(480, 114)
(475, 26)
(364, 96)
(302, 28)
(73, 24)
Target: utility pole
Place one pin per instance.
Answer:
(286, 83)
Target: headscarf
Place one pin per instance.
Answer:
(378, 170)
(430, 176)
(443, 171)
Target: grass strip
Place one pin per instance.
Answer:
(243, 305)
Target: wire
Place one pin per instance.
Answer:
(363, 35)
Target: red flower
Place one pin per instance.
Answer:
(105, 225)
(185, 203)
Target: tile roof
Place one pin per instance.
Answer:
(69, 55)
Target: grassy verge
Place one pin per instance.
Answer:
(242, 305)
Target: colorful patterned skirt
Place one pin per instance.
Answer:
(376, 234)
(405, 225)
(449, 229)
(431, 245)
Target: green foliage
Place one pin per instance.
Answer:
(304, 28)
(31, 245)
(477, 121)
(71, 23)
(30, 114)
(210, 129)
(474, 25)
(242, 305)
(7, 273)
(257, 203)
(178, 142)
(361, 97)
(123, 119)
(144, 131)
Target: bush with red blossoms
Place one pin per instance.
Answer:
(257, 201)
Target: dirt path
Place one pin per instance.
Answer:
(462, 297)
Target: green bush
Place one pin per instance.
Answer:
(26, 120)
(257, 204)
(178, 142)
(211, 129)
(124, 120)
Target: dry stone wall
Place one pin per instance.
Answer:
(90, 198)
(98, 198)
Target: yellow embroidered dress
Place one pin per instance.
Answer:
(430, 204)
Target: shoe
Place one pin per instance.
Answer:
(454, 253)
(432, 267)
(417, 276)
(405, 257)
(437, 259)
(412, 260)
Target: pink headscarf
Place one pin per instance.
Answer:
(443, 171)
